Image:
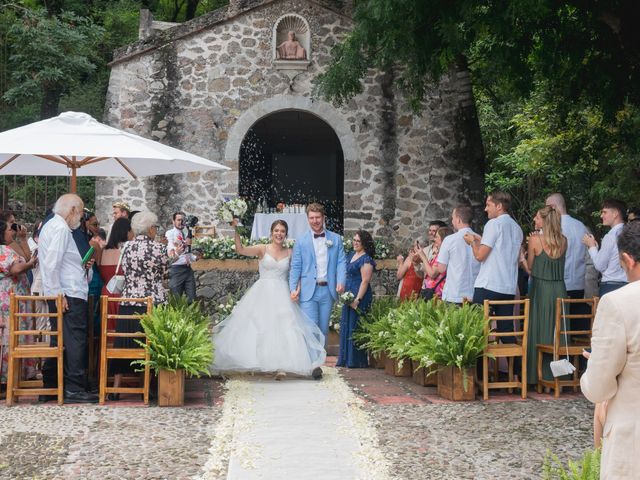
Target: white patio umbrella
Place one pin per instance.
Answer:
(77, 144)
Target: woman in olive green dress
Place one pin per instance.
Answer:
(545, 261)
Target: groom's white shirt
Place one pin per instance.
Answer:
(322, 257)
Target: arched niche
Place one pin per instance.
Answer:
(299, 25)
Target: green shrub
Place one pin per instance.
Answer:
(587, 468)
(179, 339)
(374, 331)
(457, 339)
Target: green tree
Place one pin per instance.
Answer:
(52, 54)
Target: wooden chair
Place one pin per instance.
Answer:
(508, 350)
(15, 386)
(201, 231)
(108, 351)
(578, 341)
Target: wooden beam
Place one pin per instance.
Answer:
(125, 167)
(9, 161)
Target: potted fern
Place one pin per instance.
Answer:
(454, 343)
(587, 468)
(374, 332)
(179, 343)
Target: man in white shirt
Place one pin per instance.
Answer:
(606, 259)
(457, 260)
(574, 266)
(63, 273)
(181, 277)
(497, 251)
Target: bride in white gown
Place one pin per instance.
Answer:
(267, 332)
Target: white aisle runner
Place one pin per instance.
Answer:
(294, 429)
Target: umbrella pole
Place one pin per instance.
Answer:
(73, 179)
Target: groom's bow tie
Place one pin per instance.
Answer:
(316, 235)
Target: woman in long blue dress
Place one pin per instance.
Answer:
(360, 268)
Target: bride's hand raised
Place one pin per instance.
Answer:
(235, 222)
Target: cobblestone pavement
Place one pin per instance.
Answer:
(123, 440)
(425, 437)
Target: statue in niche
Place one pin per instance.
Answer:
(291, 49)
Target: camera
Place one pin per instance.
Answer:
(15, 227)
(190, 221)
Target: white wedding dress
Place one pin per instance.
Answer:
(267, 332)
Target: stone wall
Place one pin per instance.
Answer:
(200, 86)
(213, 285)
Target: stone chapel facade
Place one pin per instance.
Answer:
(202, 85)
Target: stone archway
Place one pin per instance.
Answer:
(337, 151)
(289, 102)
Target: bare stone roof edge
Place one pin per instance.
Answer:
(205, 22)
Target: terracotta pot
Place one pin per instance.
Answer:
(451, 385)
(332, 343)
(171, 388)
(424, 377)
(391, 367)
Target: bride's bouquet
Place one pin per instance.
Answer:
(230, 209)
(346, 298)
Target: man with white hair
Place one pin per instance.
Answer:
(63, 273)
(574, 230)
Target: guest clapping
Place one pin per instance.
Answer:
(606, 259)
(456, 260)
(498, 251)
(434, 280)
(409, 274)
(360, 268)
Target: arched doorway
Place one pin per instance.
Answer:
(293, 157)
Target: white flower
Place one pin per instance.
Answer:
(329, 243)
(461, 336)
(227, 216)
(458, 358)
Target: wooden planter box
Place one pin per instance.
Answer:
(378, 362)
(391, 367)
(451, 385)
(424, 377)
(333, 343)
(171, 388)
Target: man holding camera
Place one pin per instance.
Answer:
(181, 278)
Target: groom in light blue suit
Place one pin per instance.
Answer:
(318, 269)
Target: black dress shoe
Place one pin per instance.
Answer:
(80, 397)
(113, 397)
(317, 373)
(93, 388)
(47, 398)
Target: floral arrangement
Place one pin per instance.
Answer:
(383, 250)
(223, 248)
(230, 209)
(334, 318)
(346, 298)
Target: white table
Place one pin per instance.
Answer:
(298, 224)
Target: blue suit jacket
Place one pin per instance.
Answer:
(304, 268)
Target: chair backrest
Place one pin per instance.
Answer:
(564, 317)
(523, 315)
(105, 315)
(201, 231)
(15, 315)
